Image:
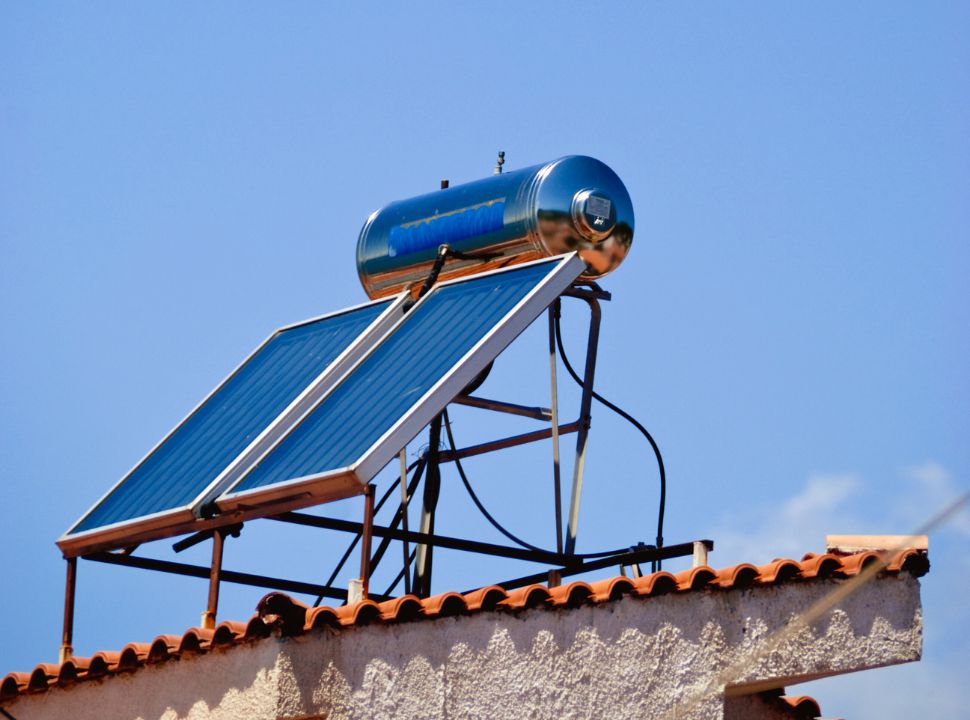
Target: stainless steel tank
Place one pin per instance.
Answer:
(574, 203)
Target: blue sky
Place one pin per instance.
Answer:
(792, 322)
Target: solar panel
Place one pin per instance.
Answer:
(439, 347)
(278, 380)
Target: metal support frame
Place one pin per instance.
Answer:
(215, 569)
(70, 586)
(421, 538)
(366, 534)
(536, 413)
(553, 313)
(403, 515)
(559, 564)
(230, 576)
(647, 553)
(493, 445)
(584, 421)
(569, 564)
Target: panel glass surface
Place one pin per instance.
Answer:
(431, 339)
(201, 447)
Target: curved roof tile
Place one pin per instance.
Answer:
(486, 598)
(529, 596)
(611, 589)
(163, 648)
(446, 604)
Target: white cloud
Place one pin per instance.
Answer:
(937, 489)
(796, 526)
(839, 503)
(822, 494)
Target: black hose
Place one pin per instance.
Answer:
(495, 523)
(633, 421)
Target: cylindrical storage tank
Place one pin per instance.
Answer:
(574, 203)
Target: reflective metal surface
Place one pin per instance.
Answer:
(576, 203)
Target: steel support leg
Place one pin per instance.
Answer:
(554, 412)
(365, 542)
(215, 571)
(405, 496)
(67, 636)
(584, 423)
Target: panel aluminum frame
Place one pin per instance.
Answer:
(186, 518)
(313, 489)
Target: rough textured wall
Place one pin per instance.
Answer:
(628, 658)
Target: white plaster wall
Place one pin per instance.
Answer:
(222, 685)
(630, 658)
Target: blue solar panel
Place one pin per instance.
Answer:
(183, 465)
(427, 344)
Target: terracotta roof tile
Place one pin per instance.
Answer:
(163, 648)
(573, 594)
(736, 576)
(696, 578)
(658, 583)
(320, 617)
(361, 613)
(803, 706)
(42, 676)
(611, 589)
(530, 596)
(133, 656)
(444, 605)
(102, 663)
(779, 571)
(486, 598)
(195, 640)
(401, 609)
(821, 566)
(227, 632)
(853, 564)
(915, 562)
(71, 669)
(280, 614)
(14, 684)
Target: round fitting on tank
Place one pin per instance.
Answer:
(594, 214)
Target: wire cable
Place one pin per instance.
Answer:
(630, 419)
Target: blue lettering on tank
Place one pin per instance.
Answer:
(446, 229)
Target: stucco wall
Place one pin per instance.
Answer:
(628, 658)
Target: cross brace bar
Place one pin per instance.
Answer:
(643, 555)
(239, 578)
(536, 413)
(420, 538)
(493, 445)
